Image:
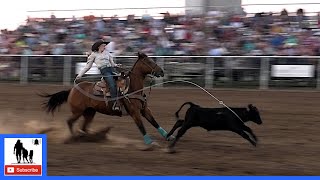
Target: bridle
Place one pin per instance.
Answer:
(149, 66)
(152, 73)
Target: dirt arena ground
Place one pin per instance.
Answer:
(289, 138)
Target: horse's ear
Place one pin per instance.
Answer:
(139, 54)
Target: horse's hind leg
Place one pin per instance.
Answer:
(88, 115)
(71, 120)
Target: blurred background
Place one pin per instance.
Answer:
(216, 43)
(242, 51)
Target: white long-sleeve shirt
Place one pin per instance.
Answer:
(104, 59)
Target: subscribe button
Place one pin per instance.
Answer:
(21, 170)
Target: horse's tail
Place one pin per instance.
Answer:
(55, 100)
(177, 113)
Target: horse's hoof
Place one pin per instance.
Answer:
(67, 141)
(44, 131)
(149, 147)
(170, 150)
(171, 138)
(155, 144)
(81, 132)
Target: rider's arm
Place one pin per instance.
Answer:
(88, 65)
(110, 57)
(111, 61)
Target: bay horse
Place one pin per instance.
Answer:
(135, 104)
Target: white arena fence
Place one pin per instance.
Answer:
(254, 72)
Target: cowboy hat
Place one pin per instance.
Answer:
(97, 44)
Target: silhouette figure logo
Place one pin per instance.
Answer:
(26, 158)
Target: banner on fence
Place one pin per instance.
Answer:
(292, 70)
(94, 69)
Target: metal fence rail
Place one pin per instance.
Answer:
(258, 72)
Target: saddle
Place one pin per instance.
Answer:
(101, 88)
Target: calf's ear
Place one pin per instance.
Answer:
(250, 106)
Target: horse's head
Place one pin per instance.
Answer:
(254, 114)
(147, 66)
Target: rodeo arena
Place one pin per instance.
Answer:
(209, 89)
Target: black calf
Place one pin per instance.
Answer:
(217, 119)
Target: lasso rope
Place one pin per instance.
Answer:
(166, 82)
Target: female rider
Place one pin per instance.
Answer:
(104, 61)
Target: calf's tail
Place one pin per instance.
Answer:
(189, 103)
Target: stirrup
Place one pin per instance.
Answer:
(115, 107)
(116, 74)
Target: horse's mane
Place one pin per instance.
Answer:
(140, 56)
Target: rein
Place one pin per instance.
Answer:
(152, 73)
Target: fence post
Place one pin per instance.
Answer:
(264, 73)
(231, 63)
(209, 72)
(24, 70)
(67, 70)
(318, 74)
(160, 62)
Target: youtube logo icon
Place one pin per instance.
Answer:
(9, 170)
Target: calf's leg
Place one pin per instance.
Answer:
(245, 136)
(181, 132)
(246, 128)
(178, 124)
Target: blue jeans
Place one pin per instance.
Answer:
(107, 72)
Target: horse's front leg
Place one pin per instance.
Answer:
(146, 113)
(137, 119)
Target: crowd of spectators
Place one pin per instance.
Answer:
(215, 33)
